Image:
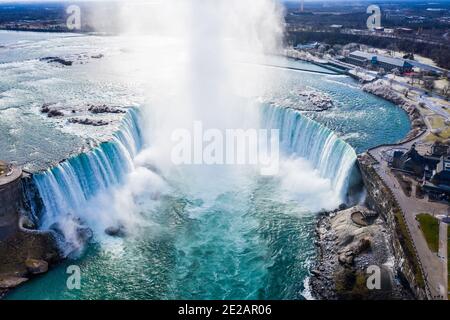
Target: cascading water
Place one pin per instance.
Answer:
(305, 138)
(193, 232)
(66, 189)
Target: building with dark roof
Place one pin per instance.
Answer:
(433, 170)
(441, 176)
(404, 30)
(439, 149)
(414, 163)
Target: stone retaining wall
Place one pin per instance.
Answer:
(10, 202)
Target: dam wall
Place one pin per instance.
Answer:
(381, 199)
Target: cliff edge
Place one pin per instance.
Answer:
(24, 252)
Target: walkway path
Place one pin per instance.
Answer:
(331, 73)
(411, 206)
(424, 97)
(433, 106)
(9, 176)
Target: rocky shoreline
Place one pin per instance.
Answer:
(318, 99)
(379, 89)
(345, 248)
(55, 111)
(348, 243)
(26, 254)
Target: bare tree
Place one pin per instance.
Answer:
(446, 91)
(406, 93)
(429, 84)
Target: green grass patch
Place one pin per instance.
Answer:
(430, 229)
(408, 247)
(438, 122)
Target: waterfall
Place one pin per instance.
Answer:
(66, 188)
(306, 138)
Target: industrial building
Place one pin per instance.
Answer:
(363, 59)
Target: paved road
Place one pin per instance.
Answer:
(411, 206)
(434, 107)
(435, 268)
(424, 97)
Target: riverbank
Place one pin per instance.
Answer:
(346, 248)
(349, 243)
(380, 89)
(279, 233)
(406, 260)
(24, 251)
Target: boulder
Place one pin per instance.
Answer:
(104, 109)
(89, 122)
(54, 113)
(363, 245)
(61, 61)
(346, 258)
(9, 282)
(346, 240)
(84, 234)
(116, 231)
(36, 266)
(45, 108)
(27, 223)
(51, 112)
(315, 272)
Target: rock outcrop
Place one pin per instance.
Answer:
(51, 111)
(379, 89)
(89, 122)
(95, 109)
(58, 60)
(321, 101)
(116, 231)
(36, 266)
(381, 199)
(24, 252)
(346, 250)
